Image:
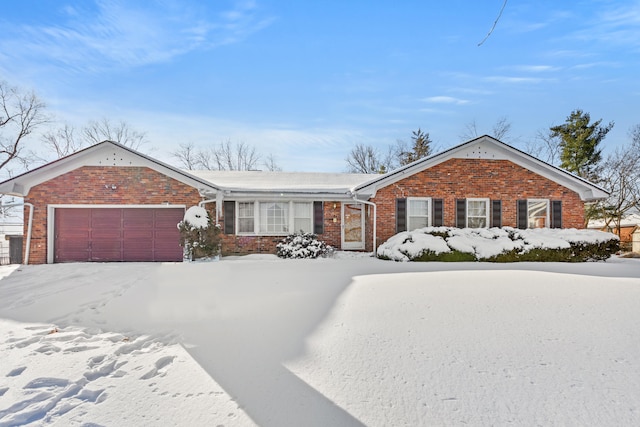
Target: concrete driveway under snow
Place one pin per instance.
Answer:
(347, 341)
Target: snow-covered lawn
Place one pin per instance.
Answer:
(329, 342)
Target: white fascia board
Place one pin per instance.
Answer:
(489, 148)
(103, 154)
(285, 195)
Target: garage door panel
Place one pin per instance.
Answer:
(138, 218)
(168, 218)
(129, 234)
(106, 233)
(117, 234)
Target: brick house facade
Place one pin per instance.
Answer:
(476, 178)
(480, 183)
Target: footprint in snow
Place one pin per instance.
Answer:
(159, 369)
(17, 371)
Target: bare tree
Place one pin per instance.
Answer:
(20, 114)
(470, 131)
(545, 146)
(121, 132)
(500, 130)
(365, 159)
(226, 156)
(187, 156)
(62, 141)
(270, 164)
(620, 174)
(236, 156)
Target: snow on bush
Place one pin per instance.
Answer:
(499, 244)
(408, 245)
(197, 216)
(302, 245)
(199, 236)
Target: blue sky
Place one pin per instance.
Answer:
(306, 81)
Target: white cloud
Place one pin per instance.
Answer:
(124, 34)
(619, 26)
(516, 80)
(536, 68)
(446, 100)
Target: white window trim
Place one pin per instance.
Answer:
(429, 210)
(237, 215)
(547, 221)
(256, 217)
(488, 210)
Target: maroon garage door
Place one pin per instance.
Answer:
(117, 234)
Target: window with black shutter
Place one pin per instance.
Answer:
(318, 218)
(401, 215)
(522, 214)
(438, 212)
(229, 217)
(496, 213)
(461, 213)
(556, 214)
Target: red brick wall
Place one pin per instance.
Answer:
(242, 245)
(468, 178)
(86, 185)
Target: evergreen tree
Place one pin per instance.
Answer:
(579, 140)
(421, 148)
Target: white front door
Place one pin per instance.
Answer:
(353, 226)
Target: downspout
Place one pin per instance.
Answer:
(204, 202)
(375, 219)
(218, 200)
(29, 227)
(28, 248)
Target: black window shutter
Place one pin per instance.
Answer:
(461, 213)
(401, 215)
(438, 212)
(522, 214)
(229, 217)
(556, 214)
(496, 213)
(318, 218)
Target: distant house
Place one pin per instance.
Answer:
(111, 203)
(628, 226)
(11, 242)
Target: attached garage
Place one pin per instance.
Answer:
(117, 234)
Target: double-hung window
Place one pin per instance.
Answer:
(302, 217)
(246, 217)
(477, 213)
(418, 213)
(537, 213)
(274, 218)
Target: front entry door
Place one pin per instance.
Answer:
(353, 226)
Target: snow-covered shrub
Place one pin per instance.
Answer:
(499, 245)
(199, 236)
(302, 245)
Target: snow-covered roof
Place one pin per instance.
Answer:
(628, 221)
(283, 181)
